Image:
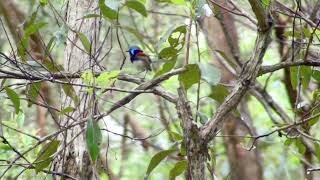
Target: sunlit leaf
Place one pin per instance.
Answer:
(168, 52)
(93, 139)
(14, 97)
(166, 67)
(156, 159)
(191, 76)
(106, 11)
(44, 157)
(178, 169)
(178, 37)
(87, 77)
(137, 6)
(265, 3)
(179, 2)
(107, 78)
(43, 2)
(4, 147)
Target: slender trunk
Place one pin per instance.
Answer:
(75, 160)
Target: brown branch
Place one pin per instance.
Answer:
(272, 68)
(246, 78)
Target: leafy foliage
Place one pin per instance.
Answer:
(93, 139)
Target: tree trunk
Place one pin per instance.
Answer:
(221, 35)
(75, 160)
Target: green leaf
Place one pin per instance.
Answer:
(293, 77)
(70, 92)
(137, 6)
(14, 97)
(20, 119)
(191, 76)
(93, 139)
(219, 93)
(176, 136)
(178, 37)
(33, 91)
(178, 169)
(106, 11)
(44, 157)
(183, 148)
(49, 46)
(306, 32)
(156, 159)
(265, 3)
(179, 2)
(24, 43)
(288, 142)
(168, 52)
(316, 75)
(306, 73)
(289, 33)
(52, 66)
(43, 2)
(85, 42)
(301, 147)
(5, 147)
(166, 67)
(107, 78)
(87, 77)
(67, 110)
(210, 74)
(315, 119)
(317, 150)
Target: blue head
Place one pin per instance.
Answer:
(133, 51)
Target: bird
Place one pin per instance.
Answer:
(138, 56)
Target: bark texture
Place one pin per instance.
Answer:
(75, 160)
(221, 34)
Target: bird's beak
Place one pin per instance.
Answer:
(127, 50)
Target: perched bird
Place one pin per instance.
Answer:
(138, 56)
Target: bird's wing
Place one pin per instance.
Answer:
(146, 60)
